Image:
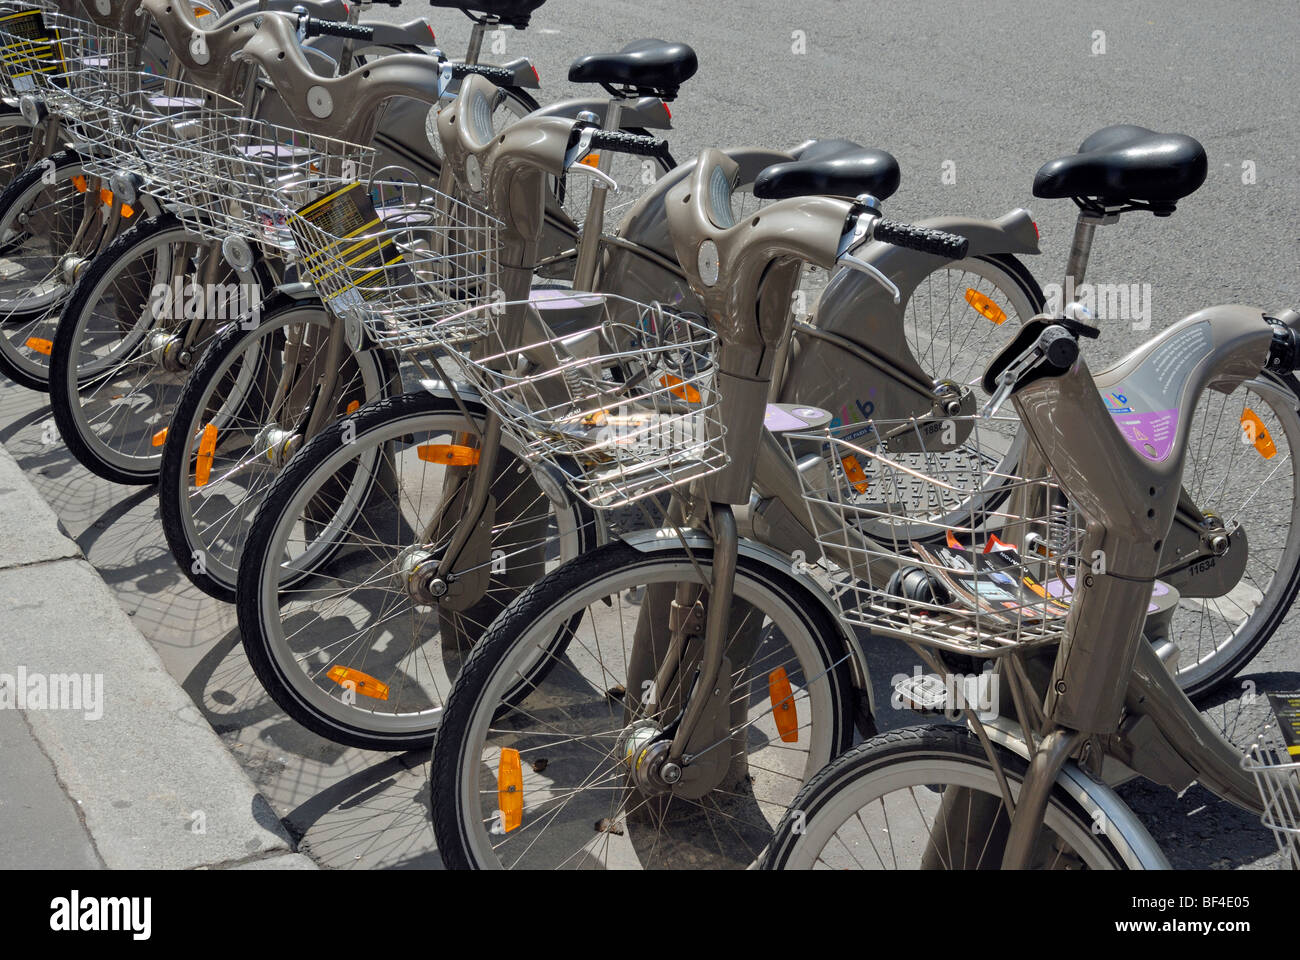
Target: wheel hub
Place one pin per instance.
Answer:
(644, 749)
(279, 444)
(168, 352)
(417, 575)
(71, 267)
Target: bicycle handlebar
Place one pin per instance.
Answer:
(637, 144)
(498, 75)
(315, 27)
(937, 242)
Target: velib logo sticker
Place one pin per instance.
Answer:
(75, 913)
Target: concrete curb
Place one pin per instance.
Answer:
(154, 785)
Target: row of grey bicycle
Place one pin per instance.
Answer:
(599, 474)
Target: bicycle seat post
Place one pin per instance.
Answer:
(1081, 247)
(584, 271)
(475, 48)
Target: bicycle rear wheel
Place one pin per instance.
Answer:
(1230, 606)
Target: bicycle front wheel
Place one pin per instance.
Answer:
(342, 615)
(40, 212)
(927, 797)
(239, 419)
(547, 746)
(135, 323)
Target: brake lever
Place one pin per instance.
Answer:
(1055, 347)
(599, 174)
(849, 260)
(851, 239)
(580, 150)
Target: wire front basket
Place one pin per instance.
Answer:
(1277, 774)
(934, 531)
(68, 62)
(229, 175)
(619, 397)
(410, 263)
(112, 118)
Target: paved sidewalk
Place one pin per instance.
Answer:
(109, 763)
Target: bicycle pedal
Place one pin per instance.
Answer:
(924, 694)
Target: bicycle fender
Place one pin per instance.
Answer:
(1135, 843)
(647, 112)
(652, 541)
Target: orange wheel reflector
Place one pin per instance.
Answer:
(857, 476)
(200, 11)
(590, 160)
(681, 389)
(1254, 431)
(510, 789)
(106, 198)
(354, 406)
(985, 307)
(362, 683)
(452, 454)
(203, 462)
(40, 346)
(160, 437)
(80, 183)
(783, 709)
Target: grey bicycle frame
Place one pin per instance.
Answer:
(1105, 679)
(1130, 503)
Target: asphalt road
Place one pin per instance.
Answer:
(985, 92)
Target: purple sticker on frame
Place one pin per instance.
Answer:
(1150, 434)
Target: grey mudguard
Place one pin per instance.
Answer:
(647, 112)
(859, 310)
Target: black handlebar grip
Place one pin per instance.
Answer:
(501, 76)
(918, 238)
(620, 141)
(338, 28)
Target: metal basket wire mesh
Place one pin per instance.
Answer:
(1277, 774)
(230, 175)
(935, 534)
(112, 118)
(69, 62)
(620, 397)
(408, 262)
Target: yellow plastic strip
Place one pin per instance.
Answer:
(783, 708)
(452, 454)
(680, 388)
(362, 683)
(510, 789)
(857, 476)
(203, 462)
(1254, 430)
(985, 307)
